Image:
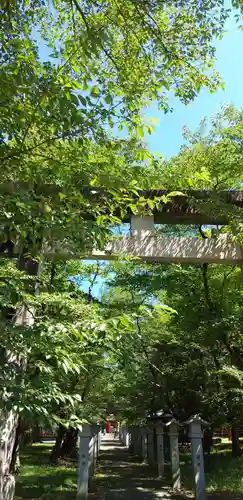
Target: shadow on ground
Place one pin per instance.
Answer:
(120, 477)
(57, 483)
(224, 495)
(40, 480)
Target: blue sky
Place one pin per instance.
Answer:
(167, 138)
(98, 287)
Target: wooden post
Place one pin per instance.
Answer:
(174, 453)
(160, 448)
(195, 434)
(83, 465)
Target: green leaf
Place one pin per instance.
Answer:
(108, 99)
(176, 193)
(140, 132)
(95, 92)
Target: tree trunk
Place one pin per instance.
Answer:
(9, 419)
(69, 445)
(36, 434)
(236, 449)
(8, 423)
(15, 461)
(207, 440)
(56, 450)
(24, 317)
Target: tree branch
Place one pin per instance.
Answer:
(226, 275)
(150, 365)
(52, 273)
(88, 28)
(96, 274)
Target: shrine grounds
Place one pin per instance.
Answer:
(39, 480)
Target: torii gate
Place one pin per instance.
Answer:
(146, 244)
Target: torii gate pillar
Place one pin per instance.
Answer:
(140, 223)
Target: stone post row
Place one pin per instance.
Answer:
(142, 444)
(195, 434)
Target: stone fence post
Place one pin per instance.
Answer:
(195, 434)
(91, 456)
(150, 445)
(131, 439)
(127, 438)
(95, 450)
(174, 453)
(135, 437)
(144, 445)
(99, 440)
(138, 440)
(159, 427)
(121, 434)
(89, 445)
(124, 436)
(83, 465)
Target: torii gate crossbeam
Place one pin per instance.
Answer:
(147, 245)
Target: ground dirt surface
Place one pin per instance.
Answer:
(120, 477)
